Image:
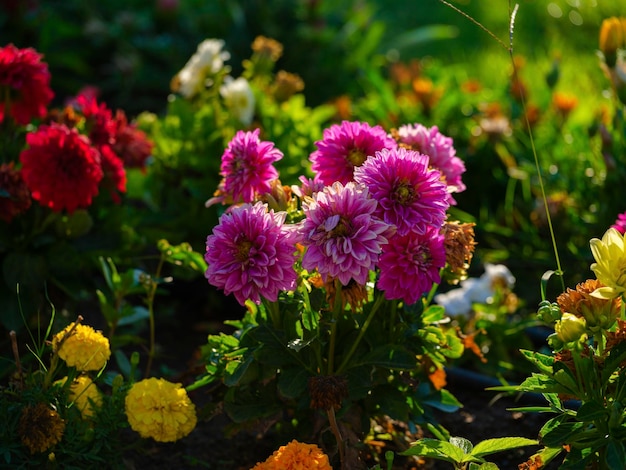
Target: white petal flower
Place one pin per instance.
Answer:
(208, 59)
(239, 99)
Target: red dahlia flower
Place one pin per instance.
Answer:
(61, 168)
(131, 144)
(26, 81)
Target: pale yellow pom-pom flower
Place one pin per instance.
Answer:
(84, 394)
(160, 410)
(296, 456)
(84, 348)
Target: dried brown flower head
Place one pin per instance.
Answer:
(267, 48)
(286, 85)
(459, 244)
(17, 198)
(354, 294)
(327, 391)
(598, 313)
(40, 427)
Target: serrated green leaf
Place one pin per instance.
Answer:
(292, 382)
(499, 444)
(464, 444)
(436, 449)
(590, 411)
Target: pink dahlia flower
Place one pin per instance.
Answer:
(61, 168)
(247, 166)
(345, 147)
(410, 195)
(620, 223)
(25, 81)
(342, 236)
(251, 254)
(439, 149)
(409, 265)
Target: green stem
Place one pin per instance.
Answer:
(333, 328)
(355, 344)
(150, 301)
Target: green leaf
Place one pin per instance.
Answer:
(138, 313)
(464, 444)
(433, 314)
(292, 382)
(499, 444)
(543, 362)
(390, 356)
(435, 449)
(555, 432)
(615, 455)
(614, 361)
(484, 466)
(590, 411)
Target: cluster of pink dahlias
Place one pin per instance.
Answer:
(375, 205)
(69, 155)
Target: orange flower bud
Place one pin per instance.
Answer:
(611, 39)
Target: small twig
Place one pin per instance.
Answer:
(16, 355)
(335, 430)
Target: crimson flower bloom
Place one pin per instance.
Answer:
(247, 166)
(342, 235)
(61, 168)
(345, 147)
(26, 80)
(131, 144)
(251, 254)
(114, 173)
(440, 150)
(100, 125)
(410, 195)
(410, 264)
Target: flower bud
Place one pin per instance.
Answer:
(570, 328)
(611, 39)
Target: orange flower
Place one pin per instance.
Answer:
(296, 456)
(611, 39)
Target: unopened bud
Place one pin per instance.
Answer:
(570, 328)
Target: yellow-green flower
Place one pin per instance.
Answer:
(570, 328)
(160, 409)
(610, 265)
(85, 395)
(296, 456)
(40, 427)
(83, 348)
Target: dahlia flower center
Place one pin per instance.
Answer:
(404, 193)
(338, 226)
(243, 250)
(356, 157)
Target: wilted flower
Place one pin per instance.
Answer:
(286, 85)
(610, 265)
(342, 235)
(599, 313)
(460, 244)
(160, 410)
(440, 150)
(25, 81)
(251, 254)
(40, 427)
(247, 168)
(14, 194)
(410, 264)
(268, 48)
(61, 168)
(239, 99)
(296, 456)
(327, 391)
(82, 347)
(345, 147)
(410, 195)
(84, 394)
(207, 60)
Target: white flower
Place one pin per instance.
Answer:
(208, 59)
(239, 99)
(479, 290)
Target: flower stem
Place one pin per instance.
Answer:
(152, 288)
(335, 430)
(362, 331)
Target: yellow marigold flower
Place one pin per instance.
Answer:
(610, 265)
(296, 456)
(40, 427)
(84, 348)
(85, 395)
(160, 409)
